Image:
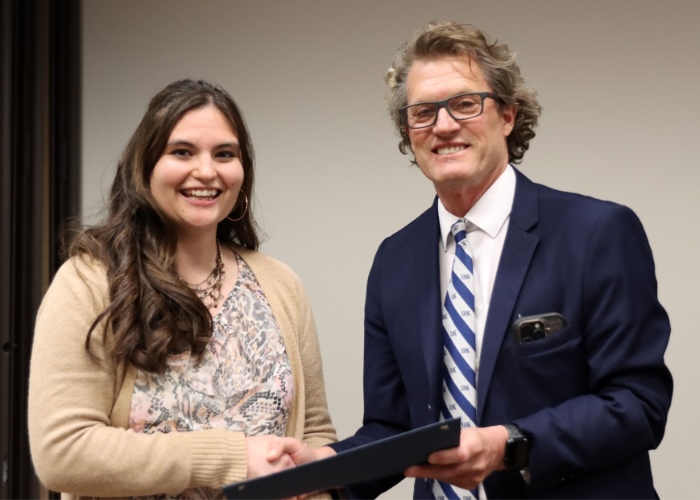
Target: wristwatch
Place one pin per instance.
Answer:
(517, 448)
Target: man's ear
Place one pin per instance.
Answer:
(508, 113)
(405, 145)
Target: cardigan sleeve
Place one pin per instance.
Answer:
(74, 449)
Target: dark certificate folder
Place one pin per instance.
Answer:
(371, 461)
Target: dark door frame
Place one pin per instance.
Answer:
(39, 188)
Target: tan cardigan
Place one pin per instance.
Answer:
(79, 408)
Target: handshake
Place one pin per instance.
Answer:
(269, 454)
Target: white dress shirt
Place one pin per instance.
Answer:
(486, 232)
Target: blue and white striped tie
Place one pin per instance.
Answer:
(458, 321)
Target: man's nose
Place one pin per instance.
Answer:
(444, 122)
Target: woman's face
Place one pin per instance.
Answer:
(198, 177)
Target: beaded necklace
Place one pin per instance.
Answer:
(209, 290)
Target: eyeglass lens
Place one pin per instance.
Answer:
(460, 107)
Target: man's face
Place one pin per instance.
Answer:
(458, 155)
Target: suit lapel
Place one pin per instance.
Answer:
(518, 249)
(428, 304)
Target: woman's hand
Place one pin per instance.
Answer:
(261, 461)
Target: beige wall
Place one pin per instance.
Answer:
(618, 81)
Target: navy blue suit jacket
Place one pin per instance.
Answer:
(593, 398)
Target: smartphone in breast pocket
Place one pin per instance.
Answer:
(538, 326)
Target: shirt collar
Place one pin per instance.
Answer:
(490, 211)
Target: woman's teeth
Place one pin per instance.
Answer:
(200, 193)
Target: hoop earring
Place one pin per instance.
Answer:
(244, 211)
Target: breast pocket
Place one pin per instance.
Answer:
(553, 345)
(545, 372)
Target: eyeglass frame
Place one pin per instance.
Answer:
(443, 104)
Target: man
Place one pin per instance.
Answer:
(568, 405)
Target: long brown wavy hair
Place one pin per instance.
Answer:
(151, 313)
(446, 38)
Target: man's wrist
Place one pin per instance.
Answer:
(323, 452)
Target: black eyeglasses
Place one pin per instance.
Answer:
(459, 107)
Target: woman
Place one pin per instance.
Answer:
(168, 352)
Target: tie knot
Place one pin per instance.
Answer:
(459, 230)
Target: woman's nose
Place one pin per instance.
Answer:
(204, 167)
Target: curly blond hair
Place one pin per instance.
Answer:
(497, 62)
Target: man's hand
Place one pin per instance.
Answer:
(259, 461)
(296, 450)
(480, 451)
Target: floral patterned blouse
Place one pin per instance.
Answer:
(244, 382)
